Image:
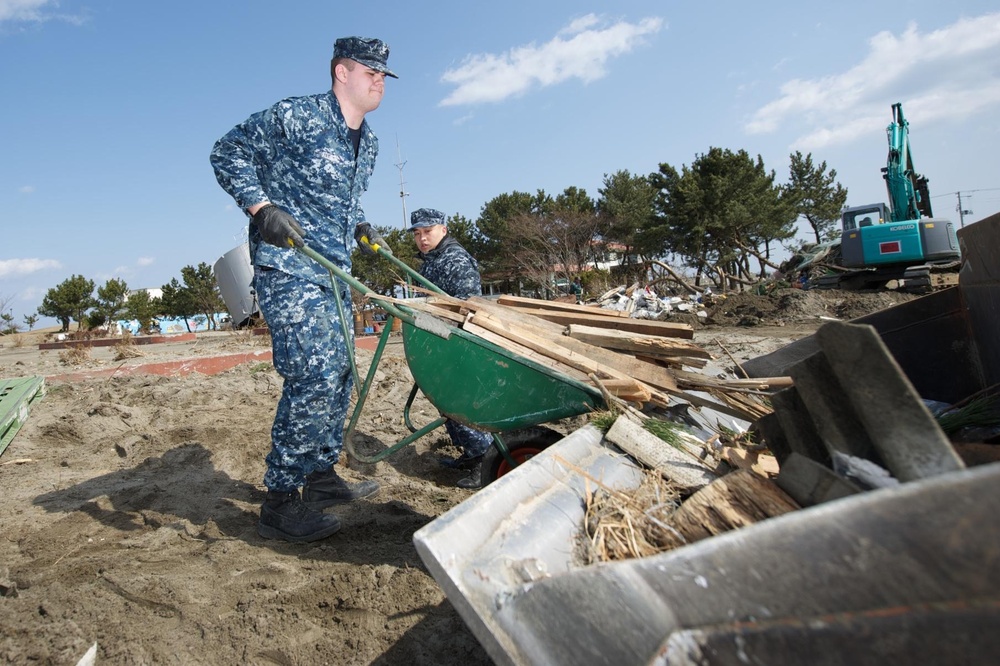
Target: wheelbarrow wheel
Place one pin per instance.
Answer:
(522, 444)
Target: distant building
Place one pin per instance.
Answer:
(154, 292)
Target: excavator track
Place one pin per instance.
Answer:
(920, 279)
(929, 277)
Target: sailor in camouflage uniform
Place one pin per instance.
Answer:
(299, 169)
(449, 266)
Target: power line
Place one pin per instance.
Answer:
(960, 209)
(948, 194)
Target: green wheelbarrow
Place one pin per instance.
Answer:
(502, 392)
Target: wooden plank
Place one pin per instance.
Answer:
(674, 363)
(678, 466)
(616, 387)
(747, 407)
(731, 502)
(438, 310)
(519, 301)
(653, 375)
(545, 346)
(648, 326)
(636, 343)
(625, 389)
(480, 304)
(765, 465)
(694, 379)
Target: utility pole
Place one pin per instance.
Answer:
(402, 193)
(961, 211)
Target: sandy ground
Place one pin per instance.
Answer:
(130, 503)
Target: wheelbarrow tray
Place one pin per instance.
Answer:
(484, 386)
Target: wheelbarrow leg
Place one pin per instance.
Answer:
(349, 443)
(504, 451)
(363, 390)
(406, 409)
(417, 433)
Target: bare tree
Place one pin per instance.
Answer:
(547, 246)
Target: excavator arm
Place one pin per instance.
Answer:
(909, 198)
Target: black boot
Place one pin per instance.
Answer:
(285, 516)
(325, 489)
(464, 461)
(475, 479)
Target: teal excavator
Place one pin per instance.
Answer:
(901, 245)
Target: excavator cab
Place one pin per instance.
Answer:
(864, 216)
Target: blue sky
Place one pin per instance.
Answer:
(110, 108)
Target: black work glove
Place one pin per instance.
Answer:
(277, 227)
(369, 240)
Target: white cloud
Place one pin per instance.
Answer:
(13, 267)
(22, 10)
(26, 189)
(145, 261)
(580, 24)
(581, 51)
(947, 73)
(35, 11)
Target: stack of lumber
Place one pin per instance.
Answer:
(632, 361)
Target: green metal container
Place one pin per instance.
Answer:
(482, 385)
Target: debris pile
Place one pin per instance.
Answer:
(847, 423)
(643, 302)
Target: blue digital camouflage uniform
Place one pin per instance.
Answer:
(298, 155)
(453, 269)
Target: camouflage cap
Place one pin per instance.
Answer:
(425, 217)
(369, 52)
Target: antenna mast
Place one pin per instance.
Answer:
(402, 192)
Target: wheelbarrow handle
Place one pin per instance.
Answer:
(386, 254)
(353, 282)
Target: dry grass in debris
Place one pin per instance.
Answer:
(250, 337)
(126, 348)
(75, 355)
(626, 525)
